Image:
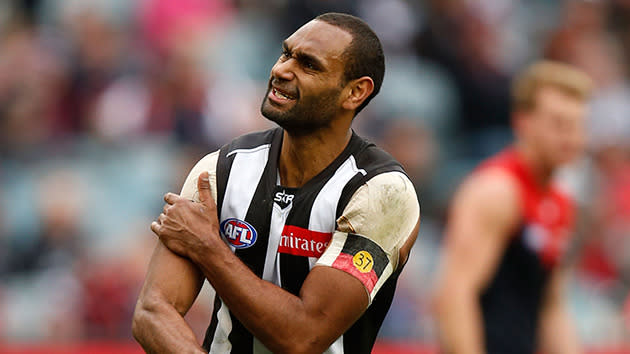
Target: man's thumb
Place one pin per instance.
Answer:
(203, 186)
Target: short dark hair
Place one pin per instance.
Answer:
(364, 56)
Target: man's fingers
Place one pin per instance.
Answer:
(165, 209)
(156, 228)
(171, 198)
(203, 187)
(161, 219)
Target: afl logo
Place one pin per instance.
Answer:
(238, 233)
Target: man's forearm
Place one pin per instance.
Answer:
(282, 321)
(460, 324)
(266, 310)
(159, 328)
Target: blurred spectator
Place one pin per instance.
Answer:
(4, 246)
(57, 245)
(110, 288)
(165, 22)
(30, 98)
(47, 260)
(100, 56)
(462, 42)
(295, 13)
(412, 146)
(415, 148)
(611, 229)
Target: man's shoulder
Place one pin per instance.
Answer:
(387, 189)
(373, 159)
(490, 194)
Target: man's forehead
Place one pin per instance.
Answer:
(320, 38)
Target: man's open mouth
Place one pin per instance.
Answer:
(281, 94)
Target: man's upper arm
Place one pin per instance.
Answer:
(172, 278)
(381, 216)
(483, 216)
(379, 219)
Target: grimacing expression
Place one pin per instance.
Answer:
(304, 88)
(557, 126)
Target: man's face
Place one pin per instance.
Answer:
(307, 80)
(555, 126)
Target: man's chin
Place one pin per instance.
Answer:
(273, 114)
(289, 125)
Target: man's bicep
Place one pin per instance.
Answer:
(171, 279)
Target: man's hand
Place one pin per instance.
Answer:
(185, 226)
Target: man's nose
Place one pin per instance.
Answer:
(283, 70)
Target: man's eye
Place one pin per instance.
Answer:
(285, 54)
(309, 65)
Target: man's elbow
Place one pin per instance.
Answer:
(143, 315)
(139, 321)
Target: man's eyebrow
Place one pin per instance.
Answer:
(305, 57)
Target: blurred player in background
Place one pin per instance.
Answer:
(501, 286)
(314, 223)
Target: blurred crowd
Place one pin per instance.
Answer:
(106, 104)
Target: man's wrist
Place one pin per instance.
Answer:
(209, 249)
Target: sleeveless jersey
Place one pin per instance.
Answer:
(512, 302)
(282, 233)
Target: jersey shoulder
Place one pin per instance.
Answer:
(375, 160)
(385, 208)
(371, 161)
(506, 160)
(530, 195)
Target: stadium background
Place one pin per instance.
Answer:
(106, 104)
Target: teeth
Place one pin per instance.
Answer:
(281, 95)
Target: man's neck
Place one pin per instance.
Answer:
(303, 157)
(542, 172)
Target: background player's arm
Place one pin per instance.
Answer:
(557, 334)
(483, 215)
(330, 300)
(170, 288)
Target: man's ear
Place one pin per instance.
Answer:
(358, 90)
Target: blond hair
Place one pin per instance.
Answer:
(564, 77)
